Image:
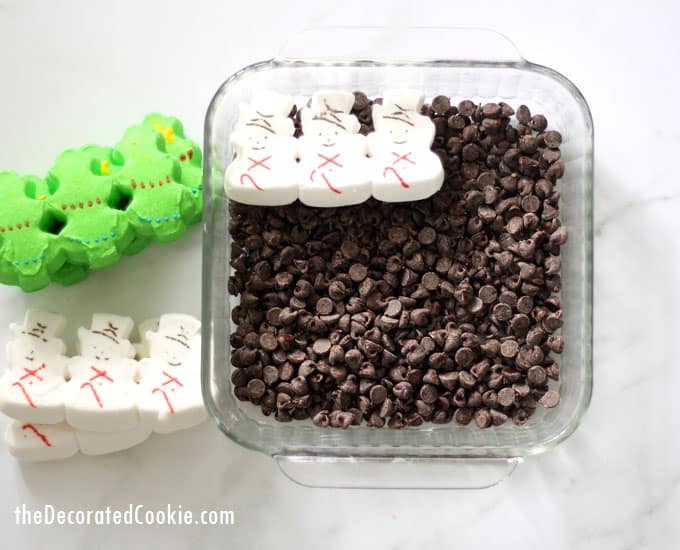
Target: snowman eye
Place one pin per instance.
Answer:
(320, 134)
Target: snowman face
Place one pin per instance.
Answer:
(28, 352)
(399, 130)
(102, 348)
(256, 137)
(172, 350)
(324, 132)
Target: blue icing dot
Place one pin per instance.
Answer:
(79, 241)
(167, 218)
(148, 220)
(42, 256)
(158, 220)
(194, 190)
(16, 262)
(175, 216)
(200, 187)
(96, 239)
(87, 241)
(35, 260)
(113, 233)
(105, 238)
(141, 218)
(25, 262)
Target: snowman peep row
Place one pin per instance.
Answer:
(103, 400)
(332, 164)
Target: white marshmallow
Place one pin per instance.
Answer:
(101, 394)
(100, 443)
(404, 167)
(39, 442)
(32, 389)
(264, 169)
(333, 168)
(170, 396)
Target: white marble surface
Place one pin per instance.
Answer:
(74, 72)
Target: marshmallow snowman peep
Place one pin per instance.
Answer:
(404, 167)
(32, 390)
(333, 168)
(170, 397)
(264, 169)
(101, 395)
(38, 442)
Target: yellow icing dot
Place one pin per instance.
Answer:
(42, 197)
(104, 167)
(167, 132)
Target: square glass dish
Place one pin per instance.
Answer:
(482, 66)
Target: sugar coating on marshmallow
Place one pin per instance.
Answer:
(32, 389)
(39, 442)
(264, 169)
(101, 394)
(404, 167)
(333, 168)
(170, 396)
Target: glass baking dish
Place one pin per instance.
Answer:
(483, 66)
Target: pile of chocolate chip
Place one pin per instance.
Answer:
(403, 313)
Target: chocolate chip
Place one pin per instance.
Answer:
(397, 235)
(429, 393)
(506, 397)
(501, 312)
(463, 416)
(321, 346)
(430, 280)
(536, 375)
(256, 389)
(482, 418)
(358, 272)
(550, 399)
(403, 390)
(441, 104)
(268, 341)
(324, 306)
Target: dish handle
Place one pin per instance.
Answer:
(395, 472)
(400, 44)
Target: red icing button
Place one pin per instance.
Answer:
(89, 203)
(167, 179)
(190, 152)
(99, 201)
(81, 205)
(73, 207)
(28, 223)
(64, 206)
(142, 185)
(19, 226)
(182, 157)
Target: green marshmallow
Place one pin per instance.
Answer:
(98, 203)
(29, 251)
(82, 187)
(186, 151)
